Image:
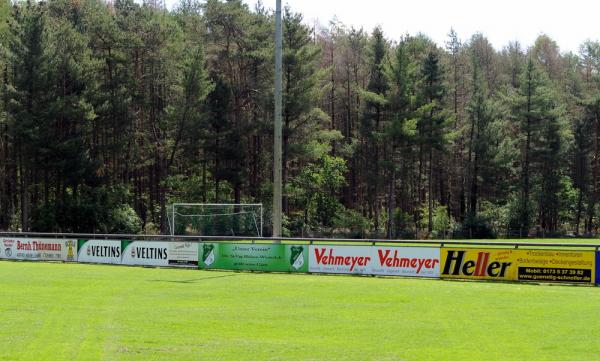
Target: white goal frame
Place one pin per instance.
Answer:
(174, 205)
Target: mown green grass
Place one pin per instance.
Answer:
(54, 311)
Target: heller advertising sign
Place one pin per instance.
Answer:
(555, 266)
(368, 260)
(39, 249)
(475, 263)
(519, 265)
(253, 257)
(99, 251)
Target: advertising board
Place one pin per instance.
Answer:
(340, 259)
(555, 266)
(99, 251)
(183, 254)
(476, 263)
(39, 249)
(370, 260)
(597, 266)
(145, 253)
(406, 261)
(253, 257)
(519, 265)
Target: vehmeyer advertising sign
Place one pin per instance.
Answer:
(40, 249)
(406, 261)
(253, 257)
(99, 251)
(370, 260)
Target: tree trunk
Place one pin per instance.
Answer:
(430, 191)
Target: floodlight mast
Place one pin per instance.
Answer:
(277, 163)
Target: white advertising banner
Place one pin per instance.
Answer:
(339, 259)
(184, 254)
(145, 253)
(406, 261)
(39, 249)
(375, 260)
(99, 251)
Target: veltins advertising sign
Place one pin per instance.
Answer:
(99, 251)
(147, 253)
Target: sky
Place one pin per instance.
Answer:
(569, 23)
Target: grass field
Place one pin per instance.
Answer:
(54, 311)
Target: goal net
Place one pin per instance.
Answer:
(216, 219)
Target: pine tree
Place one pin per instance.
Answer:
(301, 116)
(432, 121)
(68, 118)
(6, 168)
(536, 112)
(400, 130)
(27, 97)
(479, 143)
(372, 118)
(591, 125)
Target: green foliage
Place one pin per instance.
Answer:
(315, 187)
(301, 116)
(477, 227)
(442, 222)
(98, 210)
(177, 105)
(351, 223)
(403, 223)
(124, 220)
(543, 143)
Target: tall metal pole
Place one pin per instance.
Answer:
(277, 131)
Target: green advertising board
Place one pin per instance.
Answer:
(253, 257)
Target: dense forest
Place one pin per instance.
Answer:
(112, 111)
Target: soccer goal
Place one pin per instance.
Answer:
(216, 219)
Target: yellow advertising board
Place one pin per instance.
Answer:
(476, 263)
(555, 266)
(518, 265)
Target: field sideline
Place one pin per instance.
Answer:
(55, 311)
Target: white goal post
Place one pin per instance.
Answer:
(216, 219)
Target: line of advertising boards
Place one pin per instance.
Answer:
(527, 265)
